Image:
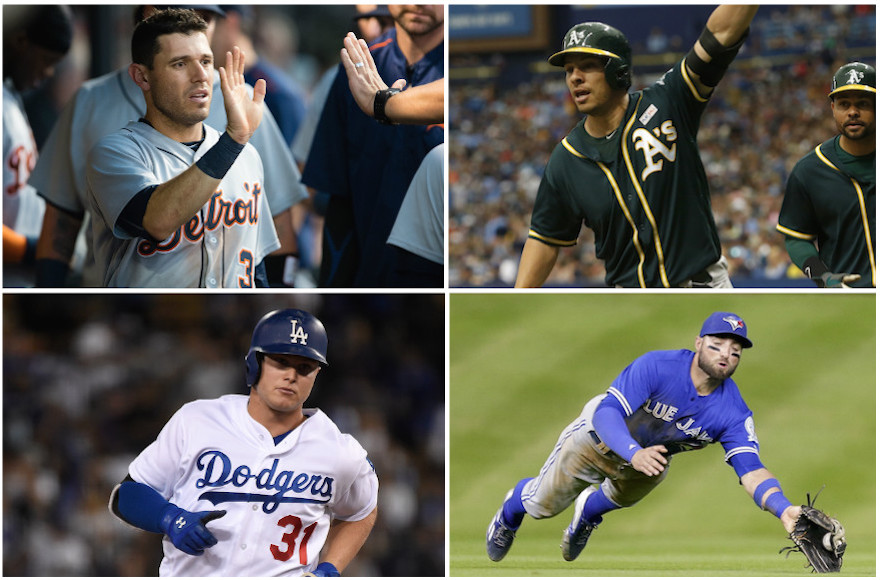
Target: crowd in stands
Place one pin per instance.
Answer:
(89, 381)
(770, 109)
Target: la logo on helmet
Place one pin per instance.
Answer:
(297, 334)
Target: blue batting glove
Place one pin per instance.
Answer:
(187, 530)
(325, 569)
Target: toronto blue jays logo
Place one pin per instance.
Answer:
(218, 472)
(734, 322)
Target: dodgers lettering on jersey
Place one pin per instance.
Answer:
(218, 472)
(279, 499)
(662, 407)
(220, 246)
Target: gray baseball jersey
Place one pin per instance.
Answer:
(106, 104)
(219, 247)
(419, 224)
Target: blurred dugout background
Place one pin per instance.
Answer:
(89, 381)
(509, 108)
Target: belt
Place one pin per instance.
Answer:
(600, 445)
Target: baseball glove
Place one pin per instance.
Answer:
(819, 537)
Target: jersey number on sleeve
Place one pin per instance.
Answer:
(289, 539)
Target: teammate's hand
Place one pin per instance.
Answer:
(187, 530)
(243, 113)
(364, 79)
(831, 280)
(650, 460)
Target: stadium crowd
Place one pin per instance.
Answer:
(770, 109)
(89, 381)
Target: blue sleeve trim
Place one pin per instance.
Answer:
(142, 506)
(744, 460)
(131, 220)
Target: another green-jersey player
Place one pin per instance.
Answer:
(631, 169)
(829, 208)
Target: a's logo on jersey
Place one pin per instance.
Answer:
(649, 143)
(297, 334)
(855, 77)
(733, 322)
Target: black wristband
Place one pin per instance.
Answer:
(814, 267)
(219, 158)
(379, 105)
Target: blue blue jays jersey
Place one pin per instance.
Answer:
(661, 406)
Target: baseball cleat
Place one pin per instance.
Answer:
(575, 536)
(499, 538)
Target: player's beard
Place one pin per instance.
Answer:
(713, 371)
(179, 111)
(858, 132)
(425, 23)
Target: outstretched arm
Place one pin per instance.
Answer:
(770, 497)
(718, 45)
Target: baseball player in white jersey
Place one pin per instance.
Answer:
(102, 106)
(256, 485)
(174, 203)
(36, 38)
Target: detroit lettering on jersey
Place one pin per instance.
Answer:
(221, 212)
(218, 472)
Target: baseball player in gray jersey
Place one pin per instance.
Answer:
(102, 106)
(174, 203)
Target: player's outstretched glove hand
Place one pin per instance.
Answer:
(819, 537)
(187, 530)
(832, 280)
(325, 569)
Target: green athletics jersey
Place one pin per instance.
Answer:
(645, 196)
(829, 199)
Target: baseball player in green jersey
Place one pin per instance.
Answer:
(829, 207)
(631, 169)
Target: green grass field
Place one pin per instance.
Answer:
(523, 365)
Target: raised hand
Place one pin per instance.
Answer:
(363, 77)
(243, 113)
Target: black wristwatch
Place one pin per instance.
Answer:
(379, 105)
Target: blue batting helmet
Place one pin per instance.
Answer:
(287, 331)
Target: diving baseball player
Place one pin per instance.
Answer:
(631, 170)
(175, 203)
(829, 209)
(102, 106)
(621, 446)
(256, 485)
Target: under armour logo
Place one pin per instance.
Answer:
(733, 322)
(180, 522)
(855, 77)
(297, 334)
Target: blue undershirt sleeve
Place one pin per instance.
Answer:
(131, 220)
(609, 424)
(141, 506)
(743, 463)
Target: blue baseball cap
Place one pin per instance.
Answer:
(726, 324)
